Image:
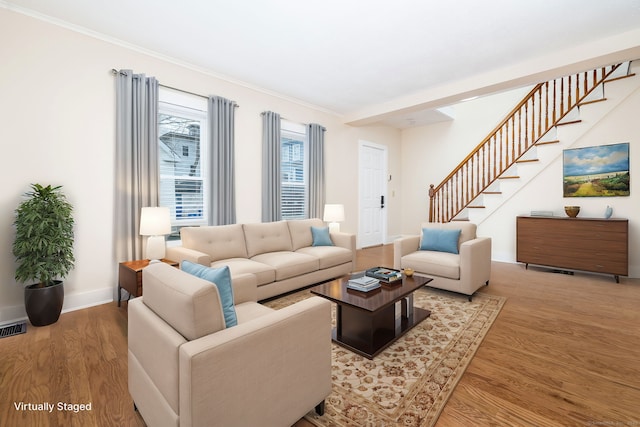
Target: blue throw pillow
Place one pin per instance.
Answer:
(436, 239)
(222, 279)
(321, 236)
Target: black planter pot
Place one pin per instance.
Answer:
(44, 305)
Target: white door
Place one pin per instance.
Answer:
(372, 190)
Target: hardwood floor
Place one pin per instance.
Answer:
(80, 359)
(565, 350)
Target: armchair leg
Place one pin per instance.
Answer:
(135, 407)
(320, 408)
(470, 298)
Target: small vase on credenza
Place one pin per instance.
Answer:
(607, 212)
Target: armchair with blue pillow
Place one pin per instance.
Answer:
(204, 353)
(450, 253)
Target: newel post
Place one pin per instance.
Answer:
(432, 193)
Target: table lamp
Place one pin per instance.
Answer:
(155, 222)
(333, 214)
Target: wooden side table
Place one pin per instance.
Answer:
(130, 276)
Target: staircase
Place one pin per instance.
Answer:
(548, 119)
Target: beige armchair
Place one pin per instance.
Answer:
(464, 272)
(187, 369)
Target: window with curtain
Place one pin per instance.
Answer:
(294, 169)
(182, 158)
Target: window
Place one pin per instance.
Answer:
(182, 128)
(294, 167)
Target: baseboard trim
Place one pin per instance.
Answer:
(72, 302)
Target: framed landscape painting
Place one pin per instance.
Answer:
(601, 171)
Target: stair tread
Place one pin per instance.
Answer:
(476, 207)
(555, 141)
(527, 160)
(620, 77)
(569, 122)
(592, 102)
(509, 177)
(492, 192)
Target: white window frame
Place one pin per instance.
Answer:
(296, 131)
(194, 107)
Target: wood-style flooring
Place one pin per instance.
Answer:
(564, 351)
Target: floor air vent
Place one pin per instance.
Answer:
(13, 329)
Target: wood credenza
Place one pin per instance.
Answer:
(585, 244)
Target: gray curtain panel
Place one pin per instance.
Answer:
(315, 133)
(271, 187)
(136, 158)
(221, 113)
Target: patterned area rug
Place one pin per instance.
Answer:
(409, 383)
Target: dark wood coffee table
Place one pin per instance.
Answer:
(366, 323)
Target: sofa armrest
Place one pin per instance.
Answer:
(475, 260)
(345, 240)
(152, 378)
(180, 253)
(403, 246)
(225, 377)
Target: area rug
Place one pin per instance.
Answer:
(409, 383)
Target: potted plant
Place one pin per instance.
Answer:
(43, 248)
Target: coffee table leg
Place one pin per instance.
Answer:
(407, 306)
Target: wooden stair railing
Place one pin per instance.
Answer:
(539, 111)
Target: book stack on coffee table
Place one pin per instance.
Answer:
(363, 284)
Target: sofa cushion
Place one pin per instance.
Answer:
(441, 264)
(218, 241)
(440, 240)
(267, 237)
(288, 264)
(264, 273)
(188, 303)
(329, 256)
(300, 230)
(321, 236)
(221, 278)
(251, 310)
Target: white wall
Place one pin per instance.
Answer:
(57, 106)
(429, 154)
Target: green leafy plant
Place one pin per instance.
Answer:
(44, 236)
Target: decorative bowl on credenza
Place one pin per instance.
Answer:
(572, 211)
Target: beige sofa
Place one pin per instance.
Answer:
(464, 272)
(279, 254)
(186, 369)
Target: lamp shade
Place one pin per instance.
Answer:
(333, 213)
(155, 221)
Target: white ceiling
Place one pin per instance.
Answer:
(367, 61)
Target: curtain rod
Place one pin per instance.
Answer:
(114, 71)
(324, 129)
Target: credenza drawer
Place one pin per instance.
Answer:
(586, 247)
